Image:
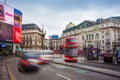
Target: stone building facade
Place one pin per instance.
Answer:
(54, 44)
(102, 33)
(32, 37)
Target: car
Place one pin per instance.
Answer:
(46, 56)
(30, 59)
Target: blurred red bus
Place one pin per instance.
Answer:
(70, 46)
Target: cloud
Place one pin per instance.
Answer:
(56, 14)
(55, 21)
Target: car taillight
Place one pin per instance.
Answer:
(39, 58)
(24, 62)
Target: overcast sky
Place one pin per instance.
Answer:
(54, 15)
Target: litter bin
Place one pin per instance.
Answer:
(118, 57)
(108, 59)
(90, 56)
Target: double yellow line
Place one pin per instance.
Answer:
(11, 74)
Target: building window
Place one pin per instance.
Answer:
(115, 31)
(103, 41)
(97, 36)
(103, 32)
(117, 25)
(27, 36)
(92, 36)
(30, 42)
(35, 42)
(83, 38)
(23, 36)
(106, 24)
(102, 25)
(114, 24)
(87, 37)
(102, 36)
(27, 43)
(115, 35)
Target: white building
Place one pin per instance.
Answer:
(102, 33)
(54, 43)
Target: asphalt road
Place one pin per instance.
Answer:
(1, 62)
(57, 72)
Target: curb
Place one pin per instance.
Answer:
(100, 62)
(99, 70)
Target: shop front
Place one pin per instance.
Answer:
(6, 48)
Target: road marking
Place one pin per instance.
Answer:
(62, 66)
(47, 69)
(63, 76)
(11, 74)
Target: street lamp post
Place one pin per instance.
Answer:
(43, 35)
(85, 45)
(85, 50)
(97, 52)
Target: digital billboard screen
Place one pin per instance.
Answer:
(54, 36)
(17, 18)
(17, 34)
(6, 32)
(6, 14)
(10, 24)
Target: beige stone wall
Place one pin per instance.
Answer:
(106, 32)
(32, 39)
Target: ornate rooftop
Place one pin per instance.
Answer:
(88, 23)
(31, 26)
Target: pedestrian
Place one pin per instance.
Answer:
(114, 58)
(18, 51)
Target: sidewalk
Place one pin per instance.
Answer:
(101, 61)
(91, 68)
(4, 75)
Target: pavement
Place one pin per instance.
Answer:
(4, 74)
(101, 60)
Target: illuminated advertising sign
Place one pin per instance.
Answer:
(17, 18)
(6, 14)
(54, 36)
(10, 24)
(6, 32)
(17, 34)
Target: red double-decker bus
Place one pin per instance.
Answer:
(70, 46)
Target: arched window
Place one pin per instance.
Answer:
(92, 36)
(89, 36)
(97, 36)
(83, 38)
(86, 37)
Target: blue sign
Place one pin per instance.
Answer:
(54, 36)
(2, 45)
